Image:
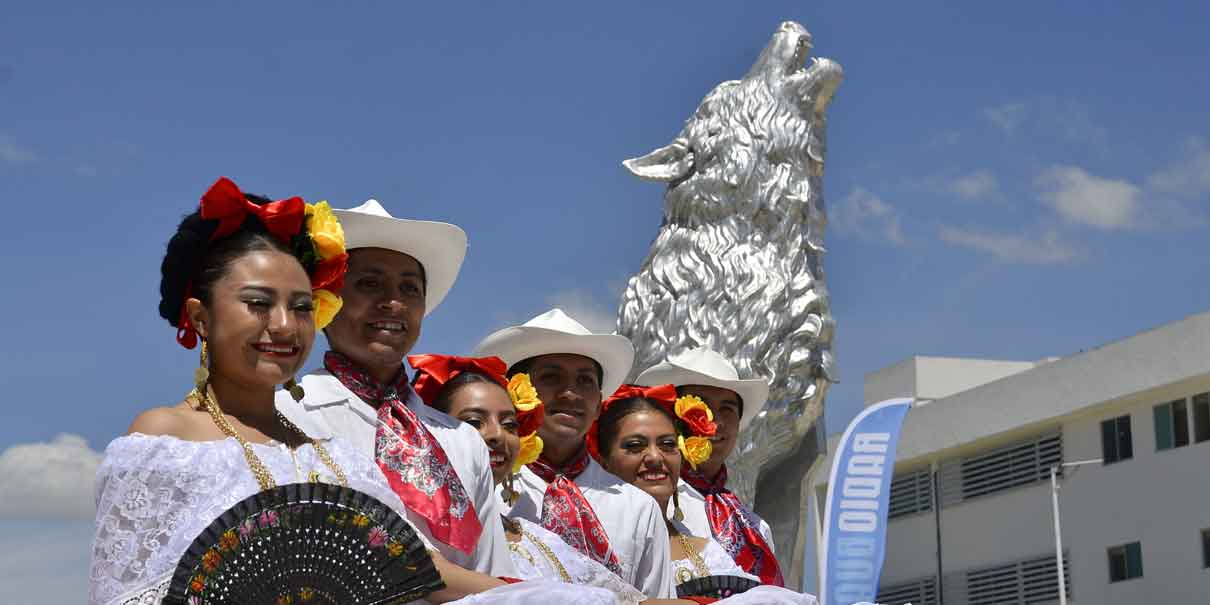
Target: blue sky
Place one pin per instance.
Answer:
(1012, 181)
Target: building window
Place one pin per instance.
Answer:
(1206, 548)
(1171, 425)
(911, 493)
(1016, 465)
(1125, 562)
(918, 592)
(1201, 417)
(1116, 444)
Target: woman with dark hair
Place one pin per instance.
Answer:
(709, 507)
(644, 435)
(252, 280)
(507, 414)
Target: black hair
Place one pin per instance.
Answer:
(611, 419)
(523, 366)
(680, 392)
(194, 262)
(445, 396)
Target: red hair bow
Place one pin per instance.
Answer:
(434, 371)
(664, 394)
(225, 203)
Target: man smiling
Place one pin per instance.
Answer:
(398, 272)
(565, 490)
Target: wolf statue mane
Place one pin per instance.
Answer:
(737, 264)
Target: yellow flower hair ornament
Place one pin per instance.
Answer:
(323, 253)
(530, 413)
(695, 450)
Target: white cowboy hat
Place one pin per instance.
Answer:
(439, 247)
(706, 367)
(555, 332)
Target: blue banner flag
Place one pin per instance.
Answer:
(859, 489)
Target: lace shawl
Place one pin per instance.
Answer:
(155, 494)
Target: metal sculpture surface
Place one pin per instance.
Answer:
(737, 264)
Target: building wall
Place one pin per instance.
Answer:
(1159, 499)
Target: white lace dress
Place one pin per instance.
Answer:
(155, 494)
(542, 554)
(719, 563)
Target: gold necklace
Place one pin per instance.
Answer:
(684, 575)
(516, 547)
(262, 474)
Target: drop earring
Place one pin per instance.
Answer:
(296, 391)
(508, 494)
(677, 515)
(202, 374)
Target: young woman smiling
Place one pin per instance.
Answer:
(252, 280)
(507, 413)
(644, 435)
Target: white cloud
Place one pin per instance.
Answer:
(1086, 199)
(1187, 177)
(595, 313)
(864, 215)
(1049, 249)
(48, 480)
(1007, 117)
(977, 185)
(13, 152)
(1047, 116)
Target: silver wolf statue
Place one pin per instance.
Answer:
(737, 264)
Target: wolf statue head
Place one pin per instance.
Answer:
(737, 264)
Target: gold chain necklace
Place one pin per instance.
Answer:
(684, 575)
(545, 549)
(262, 474)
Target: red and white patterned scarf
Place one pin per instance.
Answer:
(566, 512)
(734, 527)
(414, 463)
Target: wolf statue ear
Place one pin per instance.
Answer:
(666, 164)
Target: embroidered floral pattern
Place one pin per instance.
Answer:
(735, 528)
(567, 513)
(414, 463)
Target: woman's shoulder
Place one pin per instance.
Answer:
(175, 421)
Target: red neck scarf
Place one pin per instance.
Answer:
(734, 527)
(567, 513)
(411, 458)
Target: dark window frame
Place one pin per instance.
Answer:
(1117, 441)
(1171, 420)
(1201, 417)
(1125, 562)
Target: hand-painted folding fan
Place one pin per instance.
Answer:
(719, 587)
(305, 543)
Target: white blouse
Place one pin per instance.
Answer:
(631, 518)
(330, 409)
(155, 494)
(717, 561)
(542, 554)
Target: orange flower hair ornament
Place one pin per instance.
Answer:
(311, 232)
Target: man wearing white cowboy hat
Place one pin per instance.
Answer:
(565, 490)
(398, 272)
(710, 509)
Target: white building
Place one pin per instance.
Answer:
(971, 500)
